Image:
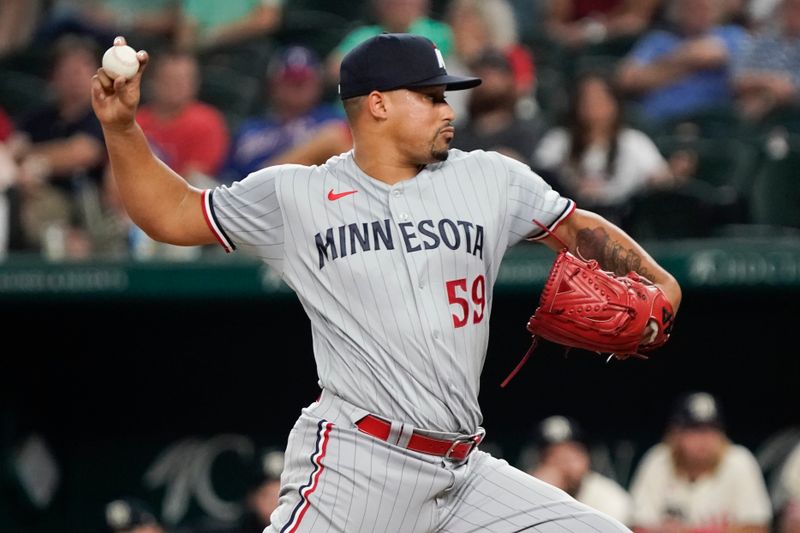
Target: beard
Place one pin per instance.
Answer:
(440, 155)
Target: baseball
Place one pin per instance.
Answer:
(120, 60)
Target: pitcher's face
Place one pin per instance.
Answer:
(422, 123)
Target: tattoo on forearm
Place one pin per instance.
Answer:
(597, 244)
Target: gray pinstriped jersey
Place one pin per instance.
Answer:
(396, 280)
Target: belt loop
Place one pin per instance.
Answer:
(405, 435)
(395, 432)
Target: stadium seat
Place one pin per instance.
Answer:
(550, 93)
(319, 30)
(687, 212)
(21, 93)
(235, 94)
(718, 122)
(350, 10)
(603, 63)
(249, 57)
(786, 118)
(776, 191)
(720, 162)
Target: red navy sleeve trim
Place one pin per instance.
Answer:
(567, 211)
(213, 223)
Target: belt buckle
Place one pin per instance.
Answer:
(473, 439)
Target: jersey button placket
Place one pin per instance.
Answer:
(400, 213)
(395, 194)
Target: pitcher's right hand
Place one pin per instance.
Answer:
(115, 100)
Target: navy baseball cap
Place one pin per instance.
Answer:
(266, 467)
(294, 63)
(697, 410)
(396, 61)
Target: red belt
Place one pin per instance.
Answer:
(458, 448)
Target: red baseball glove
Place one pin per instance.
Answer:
(582, 306)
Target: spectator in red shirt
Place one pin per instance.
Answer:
(5, 126)
(8, 175)
(188, 135)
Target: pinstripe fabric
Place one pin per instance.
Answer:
(396, 280)
(369, 486)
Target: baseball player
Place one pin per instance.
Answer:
(697, 480)
(393, 249)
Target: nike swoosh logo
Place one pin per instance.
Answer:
(333, 196)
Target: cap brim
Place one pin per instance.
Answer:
(452, 83)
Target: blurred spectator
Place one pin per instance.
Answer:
(686, 69)
(768, 76)
(697, 480)
(206, 25)
(129, 515)
(190, 136)
(479, 25)
(61, 150)
(492, 121)
(565, 463)
(145, 23)
(262, 496)
(8, 177)
(295, 87)
(596, 159)
(790, 486)
(18, 19)
(394, 16)
(577, 23)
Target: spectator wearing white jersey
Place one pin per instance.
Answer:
(790, 493)
(697, 480)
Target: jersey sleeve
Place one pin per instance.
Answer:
(248, 215)
(532, 203)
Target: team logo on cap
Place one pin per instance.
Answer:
(557, 429)
(439, 58)
(118, 514)
(702, 406)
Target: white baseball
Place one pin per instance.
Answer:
(120, 61)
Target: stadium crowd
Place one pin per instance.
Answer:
(646, 111)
